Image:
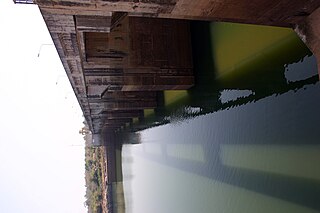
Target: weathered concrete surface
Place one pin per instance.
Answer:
(287, 13)
(309, 32)
(139, 54)
(266, 12)
(116, 63)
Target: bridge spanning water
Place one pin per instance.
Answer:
(114, 50)
(224, 115)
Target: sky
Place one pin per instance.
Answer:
(41, 150)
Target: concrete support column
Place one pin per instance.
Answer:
(309, 32)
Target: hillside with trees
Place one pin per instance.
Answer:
(94, 179)
(94, 174)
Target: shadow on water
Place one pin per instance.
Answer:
(264, 140)
(261, 73)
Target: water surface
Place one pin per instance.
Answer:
(244, 139)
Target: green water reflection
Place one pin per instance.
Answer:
(296, 161)
(244, 139)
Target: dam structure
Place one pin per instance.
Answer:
(119, 54)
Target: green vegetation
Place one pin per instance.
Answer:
(93, 176)
(94, 159)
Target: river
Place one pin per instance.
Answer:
(245, 139)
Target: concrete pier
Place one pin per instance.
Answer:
(309, 32)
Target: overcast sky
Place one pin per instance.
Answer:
(41, 151)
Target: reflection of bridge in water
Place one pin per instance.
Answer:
(265, 142)
(244, 147)
(262, 152)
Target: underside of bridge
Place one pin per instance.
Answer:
(117, 64)
(119, 53)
